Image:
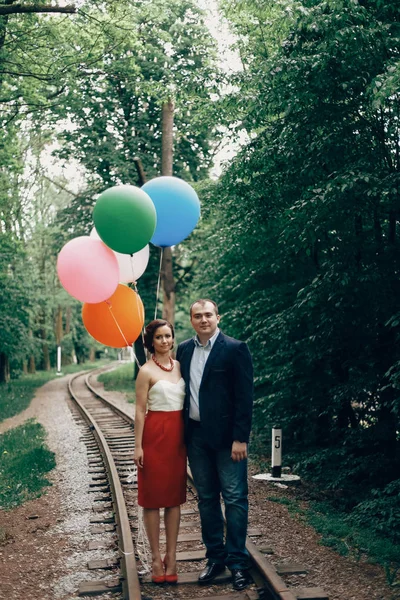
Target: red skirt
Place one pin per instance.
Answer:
(162, 480)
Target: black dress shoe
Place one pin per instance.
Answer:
(240, 579)
(210, 572)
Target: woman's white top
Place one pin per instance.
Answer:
(166, 396)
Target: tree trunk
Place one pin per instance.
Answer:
(167, 276)
(3, 33)
(68, 315)
(59, 331)
(167, 148)
(31, 364)
(4, 368)
(168, 285)
(45, 350)
(140, 171)
(139, 349)
(92, 354)
(45, 347)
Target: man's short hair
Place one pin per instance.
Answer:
(202, 302)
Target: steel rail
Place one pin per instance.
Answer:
(130, 579)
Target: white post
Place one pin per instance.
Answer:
(276, 455)
(58, 360)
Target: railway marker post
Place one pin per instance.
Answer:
(276, 453)
(276, 475)
(59, 361)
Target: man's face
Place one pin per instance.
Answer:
(204, 319)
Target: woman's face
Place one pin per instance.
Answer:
(162, 339)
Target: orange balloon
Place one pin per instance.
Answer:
(116, 322)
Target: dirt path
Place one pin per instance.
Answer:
(43, 543)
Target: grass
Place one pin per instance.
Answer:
(292, 505)
(16, 395)
(120, 380)
(24, 456)
(24, 462)
(338, 533)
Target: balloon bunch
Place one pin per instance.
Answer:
(95, 269)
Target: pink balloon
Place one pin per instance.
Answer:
(88, 269)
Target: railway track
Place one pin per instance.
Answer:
(108, 432)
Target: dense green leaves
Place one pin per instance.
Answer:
(96, 81)
(300, 249)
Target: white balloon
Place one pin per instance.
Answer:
(131, 267)
(95, 235)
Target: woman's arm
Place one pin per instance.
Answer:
(142, 390)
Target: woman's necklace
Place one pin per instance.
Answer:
(171, 364)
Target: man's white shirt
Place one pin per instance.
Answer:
(197, 365)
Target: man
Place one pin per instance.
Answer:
(218, 373)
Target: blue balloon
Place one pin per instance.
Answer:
(177, 207)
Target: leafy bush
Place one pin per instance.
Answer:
(349, 471)
(381, 512)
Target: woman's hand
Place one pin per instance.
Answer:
(138, 457)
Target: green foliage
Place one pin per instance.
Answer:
(100, 89)
(381, 513)
(15, 302)
(299, 240)
(120, 379)
(292, 506)
(115, 104)
(349, 537)
(24, 462)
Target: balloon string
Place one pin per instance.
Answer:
(133, 271)
(141, 306)
(135, 357)
(121, 332)
(158, 283)
(142, 315)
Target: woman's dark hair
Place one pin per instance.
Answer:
(151, 329)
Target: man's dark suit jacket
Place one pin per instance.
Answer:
(226, 391)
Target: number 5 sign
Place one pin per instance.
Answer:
(276, 455)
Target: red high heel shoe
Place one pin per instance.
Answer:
(170, 578)
(158, 578)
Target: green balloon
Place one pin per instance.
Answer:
(125, 218)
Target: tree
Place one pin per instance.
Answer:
(117, 107)
(300, 249)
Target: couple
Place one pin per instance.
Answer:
(200, 404)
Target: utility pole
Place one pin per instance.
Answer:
(167, 153)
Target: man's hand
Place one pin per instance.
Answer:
(239, 451)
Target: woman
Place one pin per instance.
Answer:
(160, 453)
